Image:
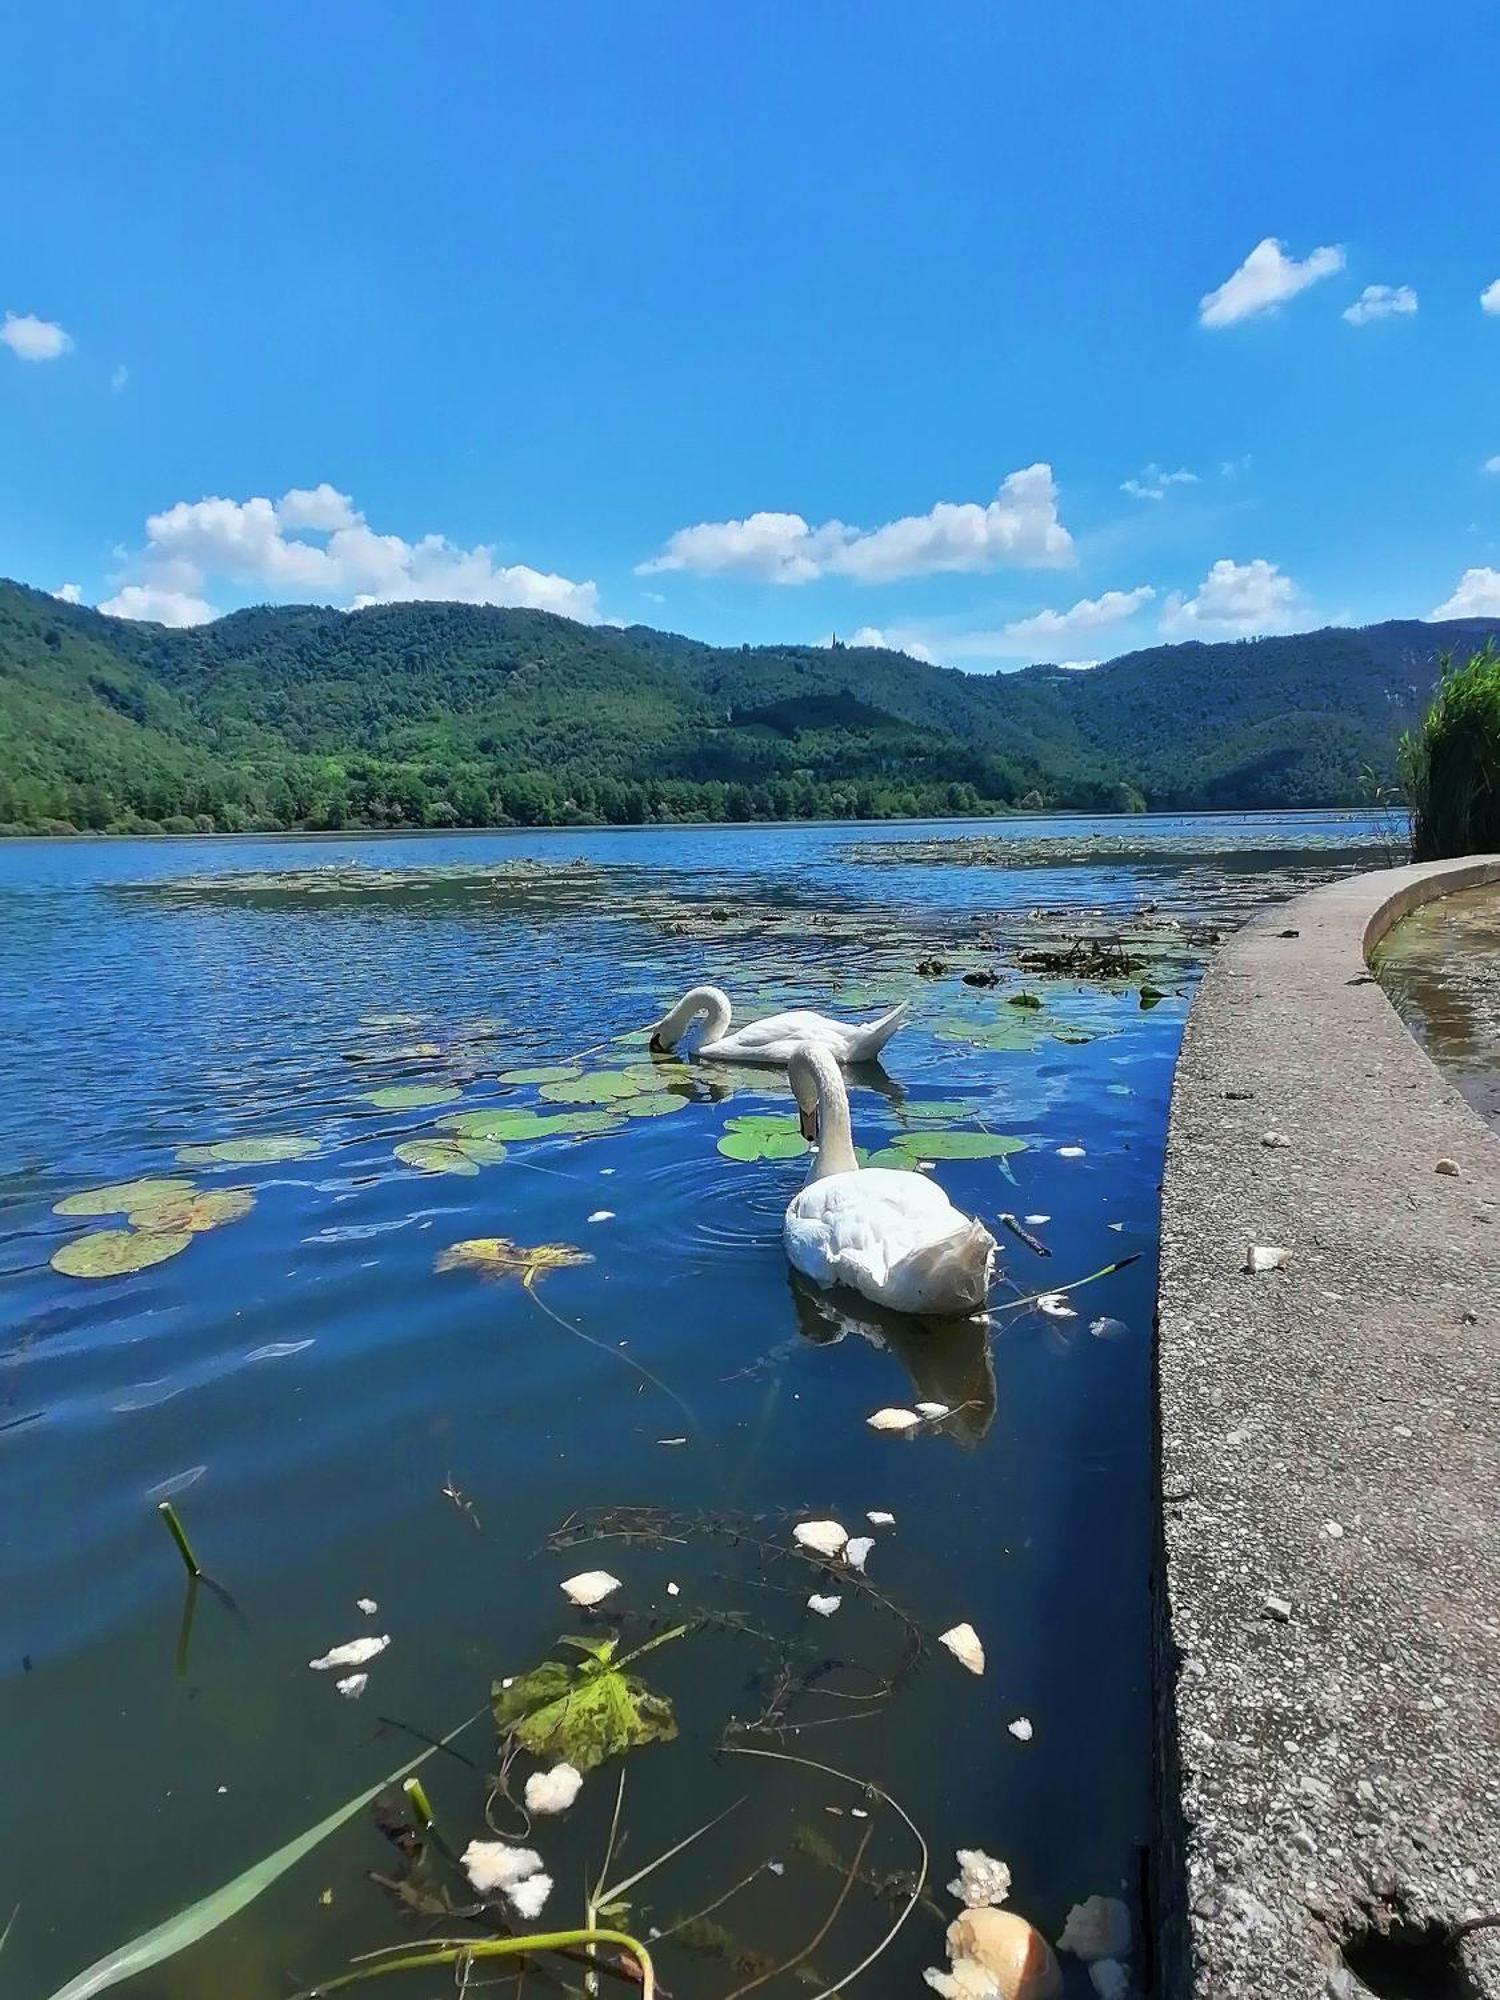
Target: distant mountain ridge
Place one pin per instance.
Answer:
(432, 714)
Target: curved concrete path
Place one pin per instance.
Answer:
(1328, 1628)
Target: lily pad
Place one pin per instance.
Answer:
(121, 1196)
(437, 1156)
(762, 1136)
(410, 1096)
(498, 1257)
(944, 1109)
(958, 1145)
(542, 1073)
(601, 1086)
(193, 1212)
(655, 1105)
(528, 1124)
(584, 1713)
(483, 1152)
(270, 1150)
(114, 1253)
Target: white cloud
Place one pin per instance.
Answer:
(1489, 298)
(1477, 596)
(1151, 482)
(33, 339)
(1089, 614)
(1491, 464)
(119, 376)
(1381, 302)
(1020, 525)
(1075, 666)
(162, 607)
(335, 557)
(71, 593)
(1267, 278)
(1234, 598)
(883, 641)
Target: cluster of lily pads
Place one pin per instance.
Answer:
(930, 1134)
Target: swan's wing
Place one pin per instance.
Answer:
(773, 1039)
(857, 1228)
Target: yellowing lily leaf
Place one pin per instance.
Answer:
(114, 1253)
(410, 1096)
(121, 1197)
(497, 1257)
(587, 1712)
(267, 1151)
(193, 1212)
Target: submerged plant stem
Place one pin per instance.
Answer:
(179, 1535)
(615, 1353)
(459, 1951)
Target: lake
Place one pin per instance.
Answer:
(341, 1408)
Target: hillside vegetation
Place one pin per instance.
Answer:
(464, 715)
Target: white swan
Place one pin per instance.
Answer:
(771, 1041)
(891, 1235)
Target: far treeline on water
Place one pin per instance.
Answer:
(449, 715)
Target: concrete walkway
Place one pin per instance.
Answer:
(1328, 1671)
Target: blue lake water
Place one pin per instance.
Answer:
(338, 1418)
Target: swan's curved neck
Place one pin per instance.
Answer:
(817, 1081)
(709, 1000)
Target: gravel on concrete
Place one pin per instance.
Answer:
(1328, 1581)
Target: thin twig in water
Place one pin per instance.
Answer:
(875, 1791)
(762, 1978)
(1074, 1284)
(616, 1353)
(717, 1904)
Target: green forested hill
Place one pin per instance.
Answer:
(450, 714)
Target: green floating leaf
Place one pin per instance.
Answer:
(763, 1121)
(588, 1712)
(410, 1096)
(655, 1105)
(543, 1073)
(202, 1918)
(942, 1108)
(437, 1156)
(957, 1145)
(600, 1086)
(1023, 1000)
(122, 1196)
(268, 1151)
(1151, 996)
(529, 1124)
(115, 1253)
(751, 1145)
(483, 1152)
(193, 1212)
(888, 1157)
(659, 1074)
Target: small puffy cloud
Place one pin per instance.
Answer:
(1267, 278)
(160, 606)
(1381, 302)
(1089, 614)
(1076, 666)
(1491, 464)
(1234, 599)
(1489, 298)
(1019, 526)
(71, 593)
(1151, 482)
(1477, 596)
(119, 376)
(884, 641)
(33, 339)
(314, 543)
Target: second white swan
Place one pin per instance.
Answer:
(890, 1235)
(771, 1041)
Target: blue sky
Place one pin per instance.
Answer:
(759, 322)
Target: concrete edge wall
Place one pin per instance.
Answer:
(1327, 1590)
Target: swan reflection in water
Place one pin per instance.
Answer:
(947, 1360)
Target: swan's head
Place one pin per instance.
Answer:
(811, 1071)
(672, 1026)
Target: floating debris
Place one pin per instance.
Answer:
(824, 1606)
(1108, 1329)
(553, 1791)
(367, 1605)
(1056, 1303)
(962, 1642)
(353, 1655)
(824, 1538)
(878, 1518)
(585, 1711)
(996, 1955)
(590, 1588)
(602, 1215)
(1070, 1152)
(933, 1412)
(498, 1257)
(893, 1420)
(352, 1686)
(1021, 1728)
(981, 1881)
(857, 1550)
(498, 1864)
(1098, 1927)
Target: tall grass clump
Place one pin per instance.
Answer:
(1450, 764)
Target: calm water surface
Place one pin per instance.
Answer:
(1441, 968)
(307, 1384)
